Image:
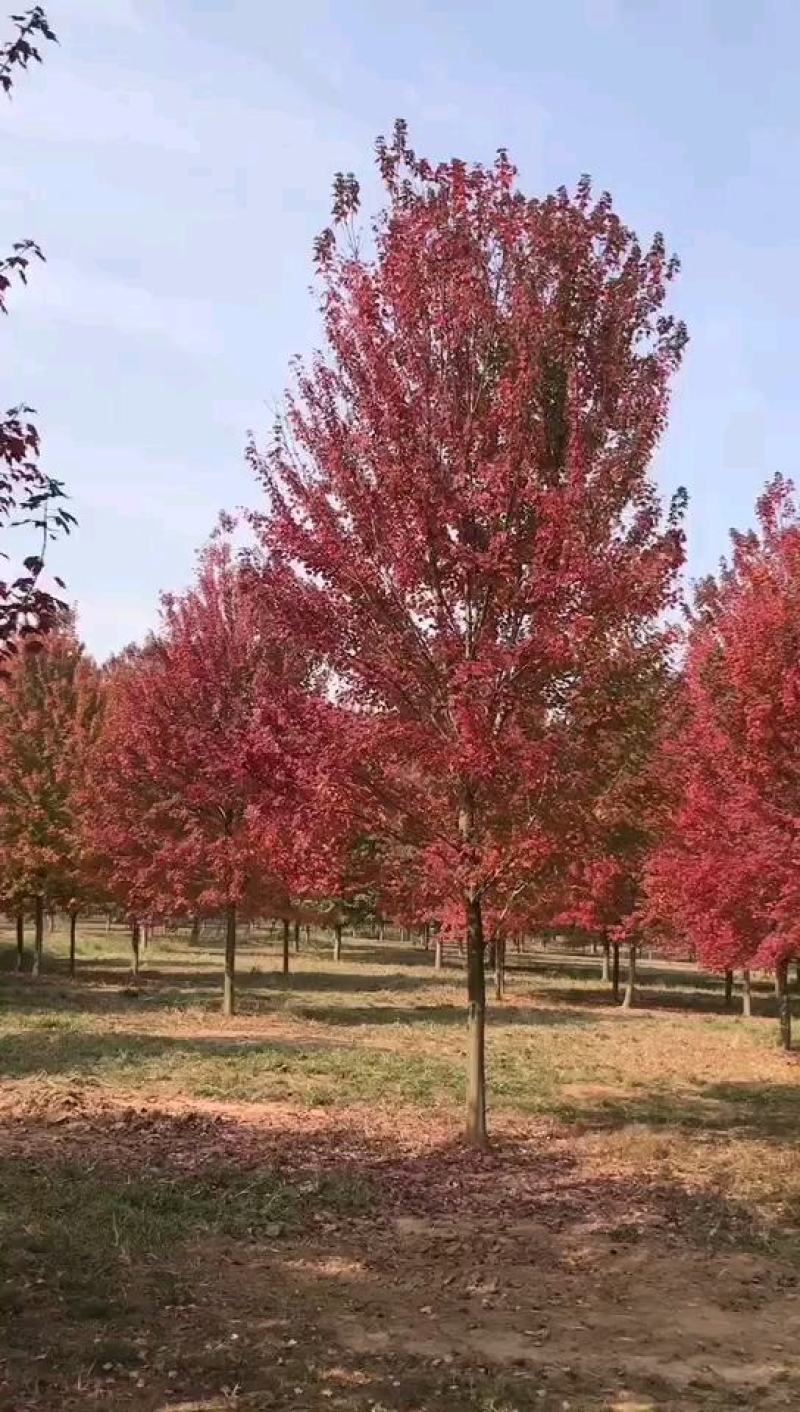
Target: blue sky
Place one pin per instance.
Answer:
(174, 158)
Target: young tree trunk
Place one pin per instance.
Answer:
(747, 997)
(605, 970)
(615, 970)
(108, 924)
(426, 934)
(437, 953)
(73, 926)
(728, 989)
(499, 968)
(296, 937)
(476, 1026)
(38, 934)
(308, 934)
(136, 936)
(52, 920)
(784, 1004)
(337, 942)
(20, 941)
(229, 982)
(382, 932)
(492, 956)
(194, 935)
(286, 946)
(629, 998)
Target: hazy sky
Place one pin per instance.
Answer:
(174, 158)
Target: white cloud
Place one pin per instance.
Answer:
(92, 299)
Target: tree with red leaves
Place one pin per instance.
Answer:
(461, 492)
(29, 498)
(50, 704)
(726, 876)
(194, 780)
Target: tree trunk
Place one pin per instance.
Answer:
(784, 1004)
(426, 935)
(747, 997)
(382, 932)
(728, 989)
(296, 937)
(229, 980)
(286, 946)
(476, 1026)
(73, 925)
(308, 935)
(337, 942)
(499, 968)
(136, 936)
(38, 934)
(630, 989)
(437, 953)
(108, 925)
(194, 935)
(20, 941)
(605, 970)
(52, 920)
(615, 970)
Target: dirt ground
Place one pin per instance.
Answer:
(165, 1251)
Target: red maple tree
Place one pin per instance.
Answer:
(50, 707)
(195, 778)
(461, 491)
(726, 875)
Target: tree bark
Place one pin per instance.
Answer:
(136, 936)
(728, 989)
(73, 925)
(308, 935)
(499, 968)
(20, 941)
(630, 990)
(38, 934)
(615, 970)
(108, 924)
(195, 932)
(229, 980)
(476, 1026)
(337, 942)
(286, 946)
(296, 937)
(605, 970)
(747, 997)
(784, 1004)
(437, 953)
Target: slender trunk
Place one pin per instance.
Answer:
(499, 969)
(615, 970)
(146, 930)
(605, 970)
(427, 936)
(492, 956)
(308, 935)
(630, 989)
(195, 932)
(296, 937)
(20, 941)
(382, 932)
(136, 934)
(337, 942)
(229, 982)
(285, 946)
(108, 924)
(73, 926)
(728, 989)
(437, 953)
(52, 921)
(747, 997)
(784, 1004)
(38, 934)
(797, 975)
(476, 1026)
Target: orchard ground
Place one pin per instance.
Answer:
(277, 1211)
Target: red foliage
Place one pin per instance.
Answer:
(462, 493)
(195, 778)
(726, 875)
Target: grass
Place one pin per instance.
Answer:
(325, 1090)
